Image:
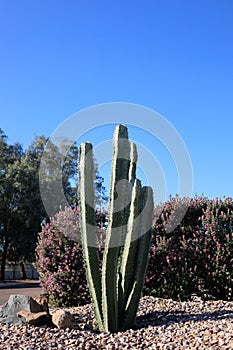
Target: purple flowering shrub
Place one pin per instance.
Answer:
(185, 258)
(59, 260)
(174, 260)
(197, 255)
(217, 243)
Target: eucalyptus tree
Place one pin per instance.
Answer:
(9, 155)
(21, 207)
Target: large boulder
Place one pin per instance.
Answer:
(16, 303)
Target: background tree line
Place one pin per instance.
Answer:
(21, 207)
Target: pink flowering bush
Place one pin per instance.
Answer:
(216, 237)
(174, 260)
(197, 255)
(186, 256)
(59, 260)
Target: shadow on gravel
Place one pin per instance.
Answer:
(168, 318)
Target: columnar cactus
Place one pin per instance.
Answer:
(116, 290)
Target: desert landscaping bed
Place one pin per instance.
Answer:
(161, 324)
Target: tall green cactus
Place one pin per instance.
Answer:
(116, 290)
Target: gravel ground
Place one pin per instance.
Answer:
(161, 324)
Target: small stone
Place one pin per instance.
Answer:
(63, 319)
(221, 342)
(41, 303)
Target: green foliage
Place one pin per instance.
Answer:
(21, 207)
(12, 226)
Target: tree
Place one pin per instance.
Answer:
(100, 191)
(58, 176)
(22, 178)
(8, 203)
(26, 188)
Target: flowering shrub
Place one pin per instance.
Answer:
(174, 260)
(217, 243)
(59, 260)
(195, 257)
(198, 250)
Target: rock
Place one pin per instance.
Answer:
(8, 312)
(63, 319)
(43, 302)
(36, 319)
(16, 303)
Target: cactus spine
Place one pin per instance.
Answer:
(116, 290)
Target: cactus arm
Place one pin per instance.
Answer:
(131, 242)
(129, 217)
(110, 267)
(142, 257)
(87, 225)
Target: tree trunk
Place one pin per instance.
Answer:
(23, 275)
(3, 262)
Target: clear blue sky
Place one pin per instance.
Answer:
(174, 56)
